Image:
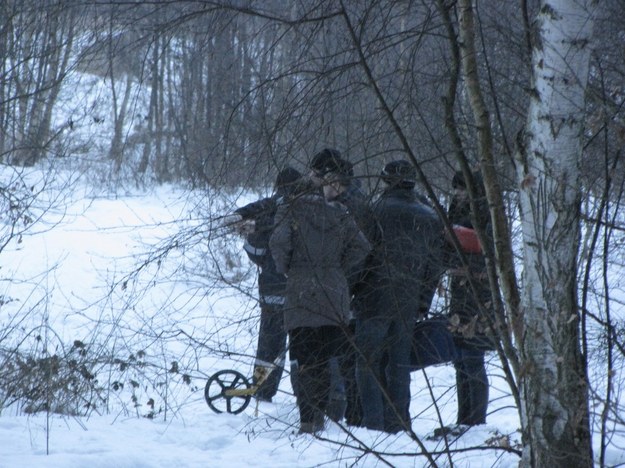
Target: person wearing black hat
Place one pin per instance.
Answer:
(258, 219)
(335, 175)
(325, 161)
(400, 282)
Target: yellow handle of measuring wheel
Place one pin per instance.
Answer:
(241, 391)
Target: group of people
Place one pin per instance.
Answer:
(347, 279)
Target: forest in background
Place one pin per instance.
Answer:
(219, 93)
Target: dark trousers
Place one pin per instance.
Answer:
(471, 386)
(383, 373)
(312, 349)
(344, 399)
(271, 345)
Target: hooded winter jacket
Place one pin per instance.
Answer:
(318, 245)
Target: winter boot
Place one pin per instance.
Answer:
(317, 425)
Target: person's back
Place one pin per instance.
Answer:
(399, 283)
(317, 243)
(335, 176)
(410, 250)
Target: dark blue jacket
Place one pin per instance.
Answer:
(271, 284)
(407, 262)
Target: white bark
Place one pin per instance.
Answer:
(554, 385)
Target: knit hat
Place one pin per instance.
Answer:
(401, 173)
(287, 180)
(326, 160)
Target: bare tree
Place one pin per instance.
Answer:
(37, 49)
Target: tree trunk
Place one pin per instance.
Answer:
(502, 251)
(57, 70)
(116, 152)
(153, 107)
(554, 382)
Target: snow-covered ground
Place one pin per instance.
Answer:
(192, 303)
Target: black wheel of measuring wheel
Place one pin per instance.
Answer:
(216, 396)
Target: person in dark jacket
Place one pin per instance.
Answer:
(402, 274)
(271, 286)
(317, 245)
(471, 328)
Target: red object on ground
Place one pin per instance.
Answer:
(468, 239)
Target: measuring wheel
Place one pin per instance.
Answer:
(228, 391)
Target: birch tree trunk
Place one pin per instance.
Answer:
(554, 380)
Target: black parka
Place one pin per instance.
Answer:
(471, 328)
(357, 204)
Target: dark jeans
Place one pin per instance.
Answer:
(312, 349)
(271, 345)
(471, 386)
(348, 361)
(336, 397)
(344, 400)
(383, 373)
